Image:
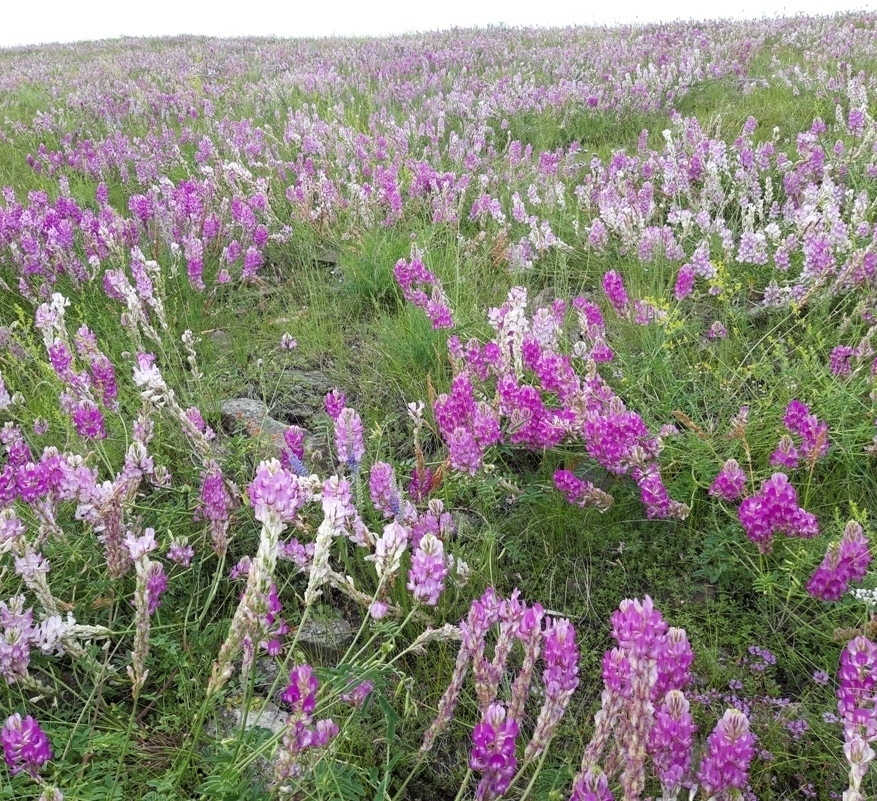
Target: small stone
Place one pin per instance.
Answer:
(221, 339)
(326, 638)
(262, 714)
(299, 397)
(251, 417)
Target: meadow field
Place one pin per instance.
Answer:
(469, 415)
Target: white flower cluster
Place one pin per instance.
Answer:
(867, 597)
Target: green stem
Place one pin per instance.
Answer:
(410, 776)
(463, 784)
(128, 733)
(213, 589)
(535, 772)
(245, 708)
(360, 652)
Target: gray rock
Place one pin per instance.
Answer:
(267, 673)
(262, 714)
(250, 417)
(221, 339)
(300, 395)
(325, 638)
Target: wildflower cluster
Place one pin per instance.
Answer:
(491, 401)
(813, 435)
(411, 275)
(86, 391)
(494, 752)
(301, 733)
(208, 176)
(857, 680)
(775, 510)
(25, 745)
(645, 711)
(845, 562)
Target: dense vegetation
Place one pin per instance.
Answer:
(380, 393)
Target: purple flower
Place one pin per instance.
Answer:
(31, 481)
(253, 260)
(857, 680)
(25, 745)
(378, 610)
(813, 431)
(844, 562)
(684, 282)
(301, 692)
(426, 579)
(637, 625)
(775, 509)
(463, 451)
(729, 750)
(786, 454)
(193, 415)
(18, 632)
(349, 443)
(793, 419)
(839, 363)
(104, 377)
(493, 752)
(560, 678)
(215, 504)
(156, 584)
(730, 481)
(358, 694)
(413, 278)
(579, 492)
(382, 489)
(180, 551)
(717, 331)
(421, 484)
(335, 401)
(592, 785)
(674, 657)
(274, 492)
(670, 742)
(653, 493)
(88, 421)
(613, 286)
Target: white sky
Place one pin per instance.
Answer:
(24, 22)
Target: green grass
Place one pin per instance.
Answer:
(333, 290)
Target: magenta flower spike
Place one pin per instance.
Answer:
(493, 752)
(857, 681)
(845, 562)
(349, 444)
(335, 401)
(426, 579)
(592, 785)
(613, 286)
(560, 678)
(670, 743)
(730, 481)
(729, 750)
(383, 489)
(684, 282)
(301, 691)
(274, 492)
(25, 745)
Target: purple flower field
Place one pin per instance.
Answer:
(469, 415)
